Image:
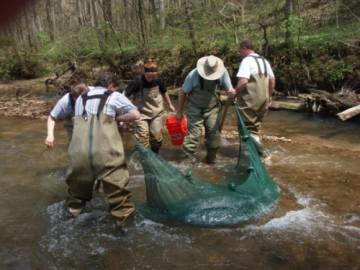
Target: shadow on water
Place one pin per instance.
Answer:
(315, 224)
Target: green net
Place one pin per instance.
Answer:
(247, 192)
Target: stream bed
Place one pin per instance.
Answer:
(315, 224)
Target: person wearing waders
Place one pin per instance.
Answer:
(200, 98)
(256, 82)
(63, 110)
(96, 149)
(148, 92)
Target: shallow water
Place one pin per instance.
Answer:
(315, 225)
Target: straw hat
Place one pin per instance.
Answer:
(210, 67)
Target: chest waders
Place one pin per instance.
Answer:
(202, 109)
(253, 101)
(97, 160)
(148, 130)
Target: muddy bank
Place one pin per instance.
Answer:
(26, 98)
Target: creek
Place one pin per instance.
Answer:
(315, 224)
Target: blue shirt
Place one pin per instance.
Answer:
(116, 104)
(62, 108)
(192, 81)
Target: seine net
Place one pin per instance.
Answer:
(172, 195)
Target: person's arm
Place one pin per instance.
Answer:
(168, 101)
(271, 81)
(132, 87)
(243, 75)
(164, 94)
(181, 102)
(130, 116)
(271, 89)
(241, 85)
(50, 139)
(227, 85)
(61, 110)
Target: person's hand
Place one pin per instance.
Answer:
(49, 141)
(231, 93)
(171, 108)
(179, 115)
(269, 103)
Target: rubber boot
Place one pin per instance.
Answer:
(155, 147)
(188, 157)
(211, 157)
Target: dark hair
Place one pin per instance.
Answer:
(78, 90)
(246, 44)
(106, 78)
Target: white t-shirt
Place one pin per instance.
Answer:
(249, 67)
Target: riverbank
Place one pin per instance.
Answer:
(32, 99)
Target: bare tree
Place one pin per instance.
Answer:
(190, 24)
(100, 34)
(50, 20)
(162, 14)
(142, 23)
(289, 10)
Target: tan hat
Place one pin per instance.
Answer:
(210, 67)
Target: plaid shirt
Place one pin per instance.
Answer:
(116, 104)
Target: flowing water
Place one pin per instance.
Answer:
(315, 225)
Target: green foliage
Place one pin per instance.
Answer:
(294, 25)
(26, 66)
(330, 73)
(315, 60)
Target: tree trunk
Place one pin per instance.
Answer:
(126, 15)
(36, 18)
(106, 7)
(79, 12)
(140, 12)
(100, 34)
(162, 14)
(50, 20)
(289, 10)
(30, 29)
(337, 3)
(190, 24)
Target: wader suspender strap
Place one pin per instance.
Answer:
(102, 97)
(217, 82)
(103, 100)
(258, 65)
(201, 81)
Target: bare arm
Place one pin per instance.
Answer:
(241, 85)
(168, 101)
(271, 88)
(181, 102)
(50, 139)
(130, 116)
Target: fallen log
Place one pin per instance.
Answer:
(349, 113)
(287, 105)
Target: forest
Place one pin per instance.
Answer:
(311, 44)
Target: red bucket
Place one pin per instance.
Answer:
(177, 129)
